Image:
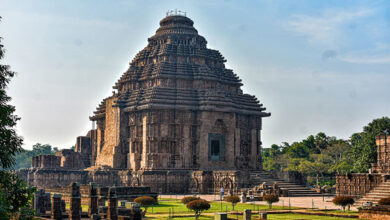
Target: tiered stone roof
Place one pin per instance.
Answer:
(177, 70)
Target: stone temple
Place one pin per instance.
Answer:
(177, 120)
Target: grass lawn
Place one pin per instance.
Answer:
(176, 206)
(299, 216)
(179, 210)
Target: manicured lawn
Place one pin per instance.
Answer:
(299, 216)
(179, 211)
(175, 206)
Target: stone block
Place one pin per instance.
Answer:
(220, 216)
(247, 214)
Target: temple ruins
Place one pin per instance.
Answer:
(177, 120)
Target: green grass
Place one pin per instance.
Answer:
(210, 216)
(177, 207)
(299, 216)
(165, 206)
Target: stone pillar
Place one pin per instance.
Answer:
(220, 216)
(93, 200)
(243, 197)
(263, 215)
(112, 212)
(102, 196)
(247, 214)
(75, 202)
(56, 212)
(39, 202)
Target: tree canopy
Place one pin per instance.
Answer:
(322, 155)
(23, 159)
(15, 195)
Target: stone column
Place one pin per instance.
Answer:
(112, 212)
(93, 200)
(75, 202)
(39, 202)
(247, 214)
(56, 212)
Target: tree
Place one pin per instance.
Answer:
(343, 201)
(188, 199)
(271, 198)
(10, 142)
(23, 159)
(363, 147)
(198, 206)
(145, 202)
(233, 200)
(15, 195)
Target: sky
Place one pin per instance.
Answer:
(317, 66)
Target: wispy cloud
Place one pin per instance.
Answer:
(380, 54)
(328, 26)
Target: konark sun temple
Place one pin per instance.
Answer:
(177, 121)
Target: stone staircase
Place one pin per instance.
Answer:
(377, 193)
(294, 190)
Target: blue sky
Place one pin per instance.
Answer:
(316, 65)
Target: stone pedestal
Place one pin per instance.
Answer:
(263, 215)
(56, 212)
(93, 200)
(220, 216)
(75, 202)
(247, 214)
(112, 212)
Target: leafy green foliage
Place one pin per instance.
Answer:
(271, 198)
(23, 159)
(188, 199)
(233, 200)
(384, 201)
(15, 195)
(363, 148)
(343, 201)
(198, 206)
(321, 156)
(10, 142)
(145, 202)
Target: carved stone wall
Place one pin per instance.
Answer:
(162, 181)
(357, 185)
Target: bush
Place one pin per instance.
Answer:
(198, 206)
(188, 199)
(271, 198)
(145, 201)
(384, 201)
(343, 201)
(232, 199)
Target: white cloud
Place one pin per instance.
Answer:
(325, 28)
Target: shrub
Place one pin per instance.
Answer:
(384, 201)
(198, 206)
(188, 199)
(271, 198)
(343, 201)
(145, 201)
(232, 199)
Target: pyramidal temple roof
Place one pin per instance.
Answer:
(176, 70)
